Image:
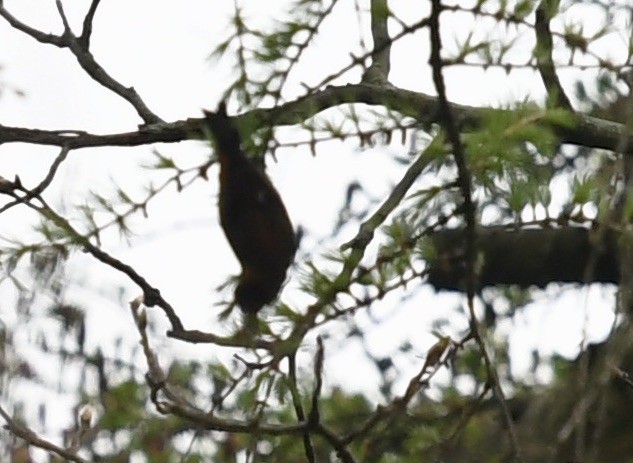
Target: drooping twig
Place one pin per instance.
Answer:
(464, 180)
(296, 402)
(152, 295)
(33, 439)
(314, 416)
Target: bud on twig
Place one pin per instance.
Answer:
(85, 417)
(136, 303)
(142, 319)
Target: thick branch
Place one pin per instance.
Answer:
(587, 131)
(529, 257)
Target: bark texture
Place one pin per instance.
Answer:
(527, 257)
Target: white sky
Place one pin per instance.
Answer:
(161, 47)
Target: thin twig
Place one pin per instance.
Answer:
(151, 294)
(368, 227)
(318, 382)
(357, 248)
(79, 47)
(283, 76)
(359, 60)
(391, 410)
(301, 47)
(61, 157)
(296, 402)
(464, 180)
(33, 439)
(339, 446)
(39, 189)
(511, 19)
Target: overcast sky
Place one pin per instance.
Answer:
(161, 48)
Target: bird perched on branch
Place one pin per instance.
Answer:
(252, 216)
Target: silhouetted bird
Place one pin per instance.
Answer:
(253, 218)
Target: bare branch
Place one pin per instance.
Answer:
(39, 189)
(464, 179)
(296, 402)
(94, 70)
(318, 382)
(79, 48)
(61, 157)
(33, 439)
(587, 131)
(86, 32)
(368, 227)
(34, 33)
(152, 295)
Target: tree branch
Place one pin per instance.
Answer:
(368, 227)
(33, 439)
(587, 131)
(378, 71)
(544, 61)
(527, 257)
(98, 74)
(39, 189)
(79, 47)
(174, 404)
(40, 36)
(86, 32)
(298, 406)
(152, 296)
(470, 246)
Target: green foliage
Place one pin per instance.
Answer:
(442, 411)
(266, 56)
(124, 406)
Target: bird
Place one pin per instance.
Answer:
(252, 216)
